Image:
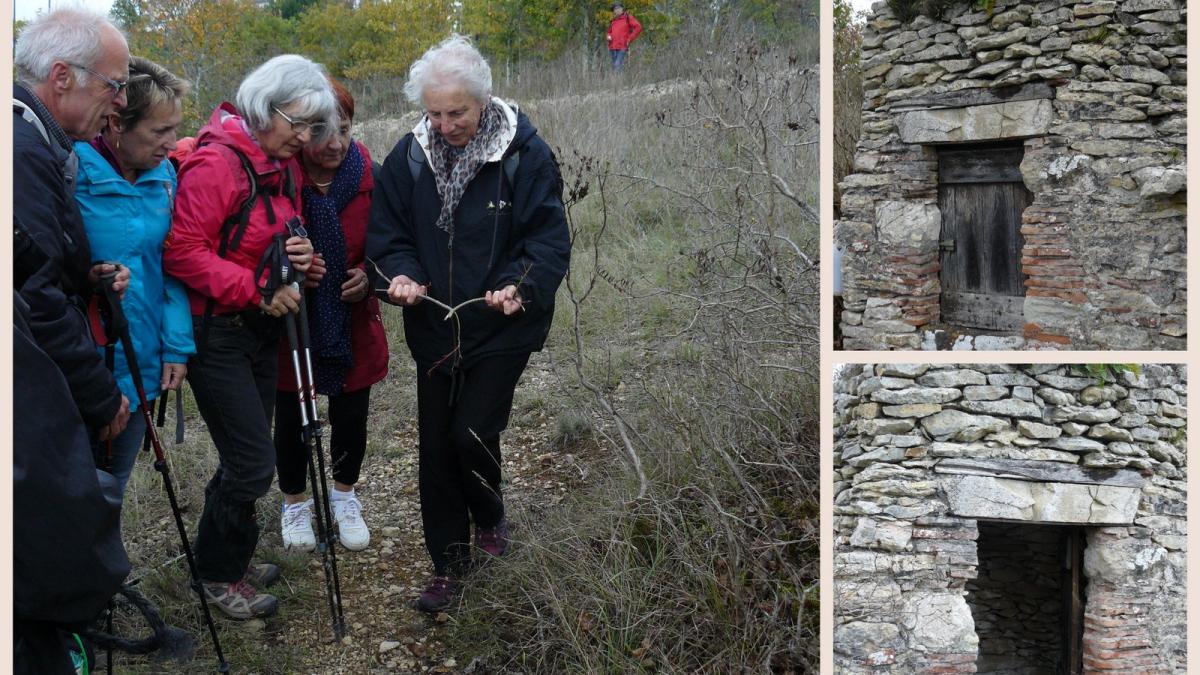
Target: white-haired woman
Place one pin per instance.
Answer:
(218, 236)
(468, 205)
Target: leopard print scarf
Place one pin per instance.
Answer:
(453, 168)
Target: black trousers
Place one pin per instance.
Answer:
(233, 379)
(347, 438)
(460, 418)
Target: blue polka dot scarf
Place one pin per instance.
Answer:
(328, 316)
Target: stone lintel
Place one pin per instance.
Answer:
(1014, 119)
(1039, 471)
(993, 498)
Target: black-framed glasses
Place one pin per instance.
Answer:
(115, 85)
(300, 126)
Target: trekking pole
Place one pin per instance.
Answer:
(310, 433)
(120, 326)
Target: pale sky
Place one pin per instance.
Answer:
(862, 5)
(27, 9)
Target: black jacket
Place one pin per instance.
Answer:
(525, 241)
(68, 559)
(56, 287)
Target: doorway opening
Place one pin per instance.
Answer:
(1028, 599)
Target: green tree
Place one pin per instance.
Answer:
(211, 43)
(378, 38)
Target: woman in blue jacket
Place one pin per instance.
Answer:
(125, 191)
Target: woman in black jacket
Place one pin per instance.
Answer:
(468, 206)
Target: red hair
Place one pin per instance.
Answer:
(344, 100)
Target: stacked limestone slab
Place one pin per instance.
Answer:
(924, 453)
(1097, 90)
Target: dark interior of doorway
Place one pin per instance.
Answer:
(1027, 601)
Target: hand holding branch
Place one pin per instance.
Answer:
(405, 291)
(506, 300)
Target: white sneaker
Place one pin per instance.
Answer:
(352, 529)
(296, 525)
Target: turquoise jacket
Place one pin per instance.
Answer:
(128, 223)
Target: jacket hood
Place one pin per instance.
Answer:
(518, 132)
(226, 127)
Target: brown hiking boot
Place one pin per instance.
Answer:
(261, 575)
(239, 600)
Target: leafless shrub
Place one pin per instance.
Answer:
(698, 552)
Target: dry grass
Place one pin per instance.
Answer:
(692, 302)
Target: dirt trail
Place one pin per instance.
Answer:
(378, 584)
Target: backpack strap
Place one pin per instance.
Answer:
(28, 115)
(511, 163)
(235, 226)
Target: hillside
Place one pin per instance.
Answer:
(661, 460)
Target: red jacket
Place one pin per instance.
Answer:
(622, 31)
(368, 341)
(212, 187)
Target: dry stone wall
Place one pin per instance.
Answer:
(925, 453)
(1096, 92)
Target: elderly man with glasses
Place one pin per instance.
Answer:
(70, 70)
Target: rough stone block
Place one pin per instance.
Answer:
(908, 223)
(950, 422)
(1009, 499)
(1015, 119)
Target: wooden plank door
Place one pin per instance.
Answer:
(1073, 596)
(981, 197)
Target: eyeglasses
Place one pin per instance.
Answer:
(300, 126)
(115, 85)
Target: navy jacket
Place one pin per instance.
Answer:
(503, 235)
(58, 290)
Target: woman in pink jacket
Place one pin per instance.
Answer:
(220, 231)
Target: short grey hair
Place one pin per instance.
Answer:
(70, 35)
(279, 83)
(453, 61)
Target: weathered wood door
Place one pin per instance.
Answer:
(981, 197)
(1073, 587)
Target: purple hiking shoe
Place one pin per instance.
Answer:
(438, 596)
(493, 540)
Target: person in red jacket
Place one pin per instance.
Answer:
(622, 31)
(280, 107)
(350, 351)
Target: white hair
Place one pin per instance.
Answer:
(70, 35)
(453, 61)
(283, 81)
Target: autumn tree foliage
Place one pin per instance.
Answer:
(369, 43)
